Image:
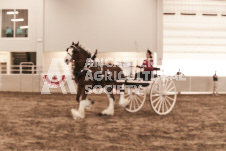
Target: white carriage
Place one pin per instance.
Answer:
(161, 89)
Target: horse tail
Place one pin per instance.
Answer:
(94, 55)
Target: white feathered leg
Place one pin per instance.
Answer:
(122, 100)
(80, 113)
(110, 109)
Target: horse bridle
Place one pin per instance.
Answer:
(71, 54)
(86, 66)
(68, 48)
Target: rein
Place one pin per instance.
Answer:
(69, 54)
(81, 60)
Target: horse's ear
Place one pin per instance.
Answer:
(77, 44)
(73, 43)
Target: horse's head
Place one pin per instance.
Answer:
(77, 54)
(71, 51)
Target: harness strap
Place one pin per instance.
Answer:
(89, 63)
(86, 68)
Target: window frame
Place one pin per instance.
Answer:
(14, 25)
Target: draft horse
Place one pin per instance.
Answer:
(106, 76)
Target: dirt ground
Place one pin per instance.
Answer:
(31, 121)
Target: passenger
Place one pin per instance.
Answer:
(146, 75)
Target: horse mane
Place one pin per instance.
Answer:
(83, 49)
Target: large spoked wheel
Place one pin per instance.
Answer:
(136, 97)
(163, 95)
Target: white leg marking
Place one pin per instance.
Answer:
(123, 101)
(110, 109)
(80, 113)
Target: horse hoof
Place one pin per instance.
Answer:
(92, 102)
(107, 112)
(100, 114)
(75, 114)
(77, 118)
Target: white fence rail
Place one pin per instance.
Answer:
(29, 78)
(24, 69)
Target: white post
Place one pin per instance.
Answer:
(40, 36)
(20, 69)
(32, 69)
(40, 32)
(159, 33)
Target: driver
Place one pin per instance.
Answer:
(146, 75)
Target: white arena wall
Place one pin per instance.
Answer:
(130, 56)
(34, 41)
(21, 44)
(194, 64)
(106, 25)
(34, 83)
(118, 29)
(109, 26)
(196, 43)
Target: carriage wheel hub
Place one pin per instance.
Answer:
(163, 93)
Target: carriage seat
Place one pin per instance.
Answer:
(156, 69)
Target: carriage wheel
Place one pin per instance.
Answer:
(163, 95)
(136, 97)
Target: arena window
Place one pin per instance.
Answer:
(14, 23)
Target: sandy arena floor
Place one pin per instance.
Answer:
(31, 121)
